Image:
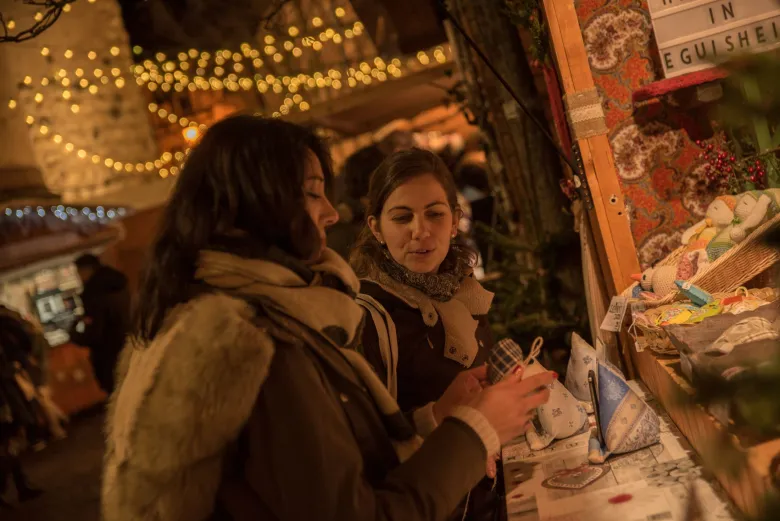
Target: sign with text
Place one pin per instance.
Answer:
(694, 34)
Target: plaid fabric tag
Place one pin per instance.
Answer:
(504, 357)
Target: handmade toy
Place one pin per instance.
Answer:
(583, 359)
(658, 280)
(753, 208)
(562, 416)
(625, 423)
(719, 215)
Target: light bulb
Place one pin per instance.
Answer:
(340, 12)
(316, 21)
(114, 51)
(12, 104)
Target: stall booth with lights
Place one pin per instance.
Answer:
(39, 280)
(639, 88)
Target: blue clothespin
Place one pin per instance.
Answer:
(697, 295)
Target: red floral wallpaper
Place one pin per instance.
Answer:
(653, 144)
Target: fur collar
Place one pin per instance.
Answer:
(184, 398)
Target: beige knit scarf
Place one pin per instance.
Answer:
(330, 313)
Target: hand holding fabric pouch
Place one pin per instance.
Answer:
(562, 416)
(625, 422)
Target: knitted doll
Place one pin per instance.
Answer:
(753, 208)
(720, 214)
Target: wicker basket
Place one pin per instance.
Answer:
(657, 340)
(734, 268)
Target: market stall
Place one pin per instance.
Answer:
(661, 185)
(665, 188)
(39, 280)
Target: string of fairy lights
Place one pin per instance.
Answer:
(195, 70)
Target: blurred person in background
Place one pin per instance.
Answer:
(106, 320)
(242, 395)
(356, 173)
(22, 418)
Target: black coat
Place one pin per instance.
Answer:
(106, 322)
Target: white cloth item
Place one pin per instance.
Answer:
(424, 420)
(582, 360)
(562, 416)
(484, 429)
(743, 332)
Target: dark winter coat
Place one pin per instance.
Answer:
(106, 300)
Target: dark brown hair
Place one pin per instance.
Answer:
(399, 168)
(244, 177)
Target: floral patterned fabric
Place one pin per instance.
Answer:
(627, 422)
(653, 144)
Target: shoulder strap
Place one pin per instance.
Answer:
(388, 339)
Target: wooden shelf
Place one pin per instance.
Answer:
(663, 378)
(669, 85)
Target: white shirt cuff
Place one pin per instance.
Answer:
(477, 421)
(424, 421)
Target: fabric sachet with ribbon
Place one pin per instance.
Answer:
(625, 423)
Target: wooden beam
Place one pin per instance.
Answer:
(365, 96)
(611, 226)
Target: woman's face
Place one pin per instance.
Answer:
(318, 206)
(416, 224)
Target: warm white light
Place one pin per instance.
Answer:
(191, 134)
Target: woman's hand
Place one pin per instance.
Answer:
(510, 404)
(461, 391)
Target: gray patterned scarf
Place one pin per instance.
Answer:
(440, 286)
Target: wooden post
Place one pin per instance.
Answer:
(611, 227)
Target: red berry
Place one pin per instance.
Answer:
(729, 169)
(750, 169)
(732, 159)
(698, 142)
(709, 147)
(752, 179)
(758, 162)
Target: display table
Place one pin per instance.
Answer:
(652, 484)
(663, 377)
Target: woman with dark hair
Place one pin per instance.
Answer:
(242, 396)
(429, 313)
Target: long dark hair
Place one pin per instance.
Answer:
(245, 178)
(399, 168)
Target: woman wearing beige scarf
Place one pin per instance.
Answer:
(243, 396)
